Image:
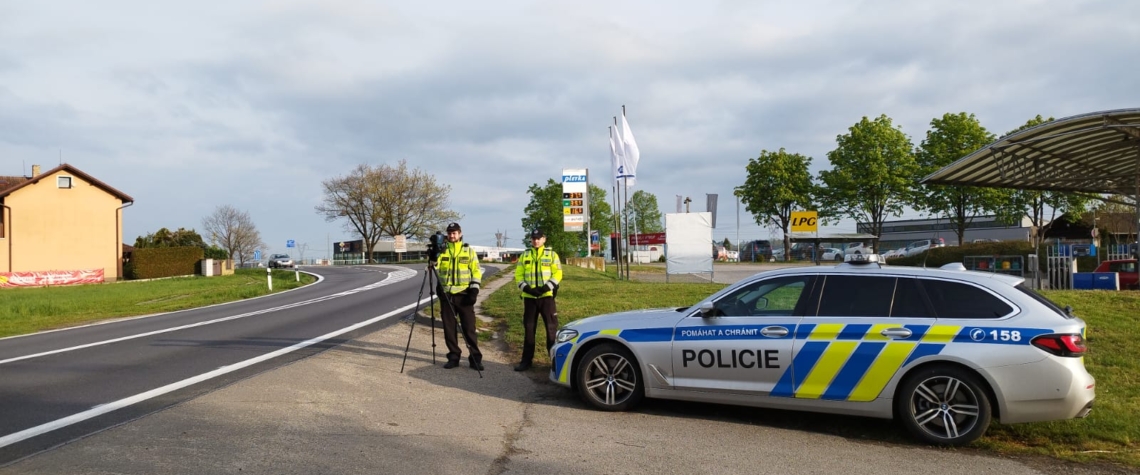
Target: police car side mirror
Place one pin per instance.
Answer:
(707, 309)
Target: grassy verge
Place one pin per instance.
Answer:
(44, 308)
(1109, 435)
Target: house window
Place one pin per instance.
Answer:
(2, 226)
(64, 182)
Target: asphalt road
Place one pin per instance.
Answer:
(58, 386)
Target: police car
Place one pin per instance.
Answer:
(944, 350)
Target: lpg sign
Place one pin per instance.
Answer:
(805, 221)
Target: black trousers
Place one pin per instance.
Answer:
(467, 318)
(531, 309)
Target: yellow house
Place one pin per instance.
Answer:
(60, 225)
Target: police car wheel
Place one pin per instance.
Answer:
(608, 378)
(944, 406)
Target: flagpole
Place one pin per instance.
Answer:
(614, 188)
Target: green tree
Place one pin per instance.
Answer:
(728, 245)
(1043, 207)
(950, 138)
(872, 175)
(642, 213)
(166, 238)
(544, 211)
(776, 184)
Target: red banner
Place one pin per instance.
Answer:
(650, 238)
(51, 277)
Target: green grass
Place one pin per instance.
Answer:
(1109, 435)
(587, 293)
(28, 310)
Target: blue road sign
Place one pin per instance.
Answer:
(290, 243)
(257, 255)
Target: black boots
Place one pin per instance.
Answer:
(475, 364)
(525, 365)
(450, 364)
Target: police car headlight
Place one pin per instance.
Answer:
(566, 334)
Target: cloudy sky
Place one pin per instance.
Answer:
(187, 106)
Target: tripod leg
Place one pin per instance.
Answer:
(432, 313)
(413, 327)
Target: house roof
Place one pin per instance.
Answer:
(11, 184)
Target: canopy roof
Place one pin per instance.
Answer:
(1097, 152)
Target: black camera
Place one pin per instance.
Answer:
(436, 244)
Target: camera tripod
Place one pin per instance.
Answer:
(431, 281)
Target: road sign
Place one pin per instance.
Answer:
(290, 243)
(805, 221)
(401, 244)
(257, 255)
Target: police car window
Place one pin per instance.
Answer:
(958, 300)
(775, 297)
(909, 302)
(856, 296)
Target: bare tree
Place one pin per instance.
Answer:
(233, 231)
(386, 201)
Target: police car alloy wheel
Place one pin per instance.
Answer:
(608, 378)
(944, 405)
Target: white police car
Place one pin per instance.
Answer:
(944, 350)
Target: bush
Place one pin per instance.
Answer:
(155, 262)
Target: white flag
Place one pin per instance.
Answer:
(632, 154)
(617, 151)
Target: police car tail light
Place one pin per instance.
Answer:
(1061, 345)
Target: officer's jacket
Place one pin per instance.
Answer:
(458, 268)
(536, 267)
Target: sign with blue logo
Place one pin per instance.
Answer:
(257, 255)
(575, 196)
(290, 243)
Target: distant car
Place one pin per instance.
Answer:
(1125, 269)
(893, 253)
(756, 251)
(831, 254)
(280, 260)
(943, 350)
(921, 246)
(857, 248)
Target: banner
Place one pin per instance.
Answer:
(575, 189)
(711, 207)
(51, 277)
(632, 154)
(647, 238)
(595, 241)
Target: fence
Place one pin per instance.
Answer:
(1059, 267)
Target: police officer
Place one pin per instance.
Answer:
(459, 277)
(538, 274)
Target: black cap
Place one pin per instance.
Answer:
(453, 227)
(537, 233)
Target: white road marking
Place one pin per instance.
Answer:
(128, 401)
(392, 278)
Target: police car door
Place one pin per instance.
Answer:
(743, 343)
(864, 328)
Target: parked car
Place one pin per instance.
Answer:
(1126, 272)
(921, 246)
(756, 251)
(893, 253)
(857, 248)
(280, 260)
(803, 251)
(944, 350)
(831, 254)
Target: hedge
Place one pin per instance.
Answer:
(155, 262)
